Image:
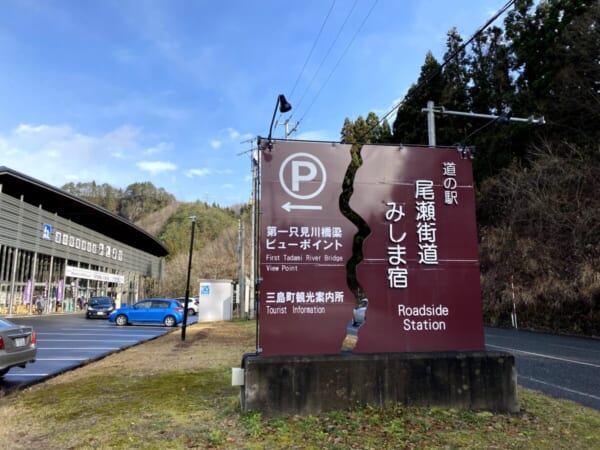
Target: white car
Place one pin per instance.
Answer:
(360, 312)
(193, 304)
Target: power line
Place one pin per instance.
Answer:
(326, 54)
(337, 63)
(312, 49)
(310, 53)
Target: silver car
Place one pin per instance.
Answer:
(17, 345)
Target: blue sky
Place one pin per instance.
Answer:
(175, 91)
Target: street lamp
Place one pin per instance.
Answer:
(187, 284)
(284, 107)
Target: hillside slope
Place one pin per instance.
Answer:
(155, 222)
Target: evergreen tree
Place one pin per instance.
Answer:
(410, 126)
(347, 134)
(386, 133)
(361, 130)
(454, 95)
(492, 91)
(373, 134)
(555, 52)
(368, 131)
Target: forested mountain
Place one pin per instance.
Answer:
(537, 187)
(133, 203)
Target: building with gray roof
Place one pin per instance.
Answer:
(57, 249)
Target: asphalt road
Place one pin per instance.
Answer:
(68, 341)
(561, 366)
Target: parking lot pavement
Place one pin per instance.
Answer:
(65, 342)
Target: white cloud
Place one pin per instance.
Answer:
(197, 173)
(232, 133)
(58, 153)
(27, 130)
(215, 144)
(161, 147)
(156, 167)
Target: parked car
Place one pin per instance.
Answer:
(17, 345)
(167, 311)
(99, 307)
(360, 312)
(193, 304)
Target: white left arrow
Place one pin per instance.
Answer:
(288, 207)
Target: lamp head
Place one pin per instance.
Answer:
(284, 106)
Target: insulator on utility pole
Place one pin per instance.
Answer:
(286, 124)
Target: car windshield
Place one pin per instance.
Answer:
(100, 301)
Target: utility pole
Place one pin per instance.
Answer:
(254, 225)
(286, 124)
(431, 110)
(251, 301)
(242, 276)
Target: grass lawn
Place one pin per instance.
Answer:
(168, 394)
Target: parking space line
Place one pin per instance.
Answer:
(20, 375)
(78, 348)
(95, 332)
(85, 340)
(62, 359)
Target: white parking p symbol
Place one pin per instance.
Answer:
(302, 176)
(299, 175)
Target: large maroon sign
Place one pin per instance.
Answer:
(305, 303)
(420, 267)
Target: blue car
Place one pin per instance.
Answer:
(167, 311)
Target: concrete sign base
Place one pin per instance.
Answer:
(303, 385)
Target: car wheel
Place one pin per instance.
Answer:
(191, 312)
(121, 320)
(170, 321)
